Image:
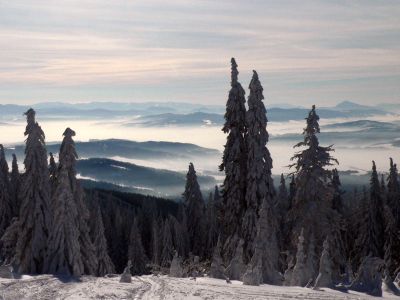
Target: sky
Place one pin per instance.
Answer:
(305, 52)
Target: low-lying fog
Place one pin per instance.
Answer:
(356, 156)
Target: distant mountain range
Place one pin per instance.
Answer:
(172, 113)
(343, 110)
(168, 119)
(130, 149)
(365, 125)
(355, 133)
(139, 179)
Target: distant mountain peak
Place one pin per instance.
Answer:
(346, 104)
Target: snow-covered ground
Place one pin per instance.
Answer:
(157, 287)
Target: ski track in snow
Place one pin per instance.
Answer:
(46, 287)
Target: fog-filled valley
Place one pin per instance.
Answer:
(115, 149)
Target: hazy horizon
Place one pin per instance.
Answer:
(267, 103)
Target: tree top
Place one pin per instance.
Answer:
(234, 72)
(69, 132)
(30, 113)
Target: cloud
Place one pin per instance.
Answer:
(92, 49)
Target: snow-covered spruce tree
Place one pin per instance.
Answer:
(217, 195)
(392, 245)
(67, 160)
(136, 253)
(64, 255)
(180, 244)
(292, 190)
(339, 232)
(383, 186)
(259, 183)
(266, 245)
(212, 226)
(287, 276)
(282, 199)
(156, 243)
(253, 274)
(176, 269)
(338, 254)
(234, 164)
(356, 225)
(34, 215)
(119, 242)
(393, 192)
(312, 204)
(324, 278)
(237, 267)
(218, 202)
(8, 242)
(311, 260)
(3, 163)
(15, 183)
(181, 233)
(369, 276)
(53, 169)
(217, 269)
(337, 203)
(370, 240)
(167, 252)
(5, 201)
(282, 207)
(299, 275)
(104, 263)
(195, 211)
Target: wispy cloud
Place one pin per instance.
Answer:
(180, 50)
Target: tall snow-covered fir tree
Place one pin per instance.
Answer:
(181, 233)
(370, 240)
(312, 204)
(299, 276)
(339, 232)
(383, 186)
(312, 258)
(212, 225)
(53, 173)
(3, 163)
(282, 207)
(34, 216)
(167, 252)
(218, 202)
(156, 239)
(393, 192)
(337, 202)
(195, 211)
(392, 244)
(15, 183)
(324, 278)
(282, 199)
(292, 190)
(266, 245)
(64, 255)
(6, 212)
(136, 253)
(234, 164)
(67, 160)
(259, 183)
(104, 263)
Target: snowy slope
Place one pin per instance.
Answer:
(153, 288)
